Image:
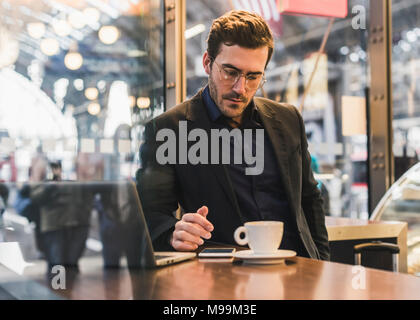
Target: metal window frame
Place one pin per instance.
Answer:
(175, 64)
(380, 109)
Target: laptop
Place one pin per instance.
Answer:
(123, 224)
(150, 258)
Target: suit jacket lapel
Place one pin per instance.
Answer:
(197, 115)
(274, 126)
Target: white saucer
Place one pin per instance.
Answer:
(249, 256)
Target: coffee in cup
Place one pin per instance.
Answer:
(263, 237)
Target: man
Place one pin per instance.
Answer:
(62, 216)
(217, 198)
(56, 171)
(4, 195)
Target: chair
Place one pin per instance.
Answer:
(392, 248)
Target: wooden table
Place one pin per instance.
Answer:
(298, 278)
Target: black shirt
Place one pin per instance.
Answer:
(260, 197)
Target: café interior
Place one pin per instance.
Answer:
(79, 79)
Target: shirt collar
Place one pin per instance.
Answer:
(214, 111)
(212, 108)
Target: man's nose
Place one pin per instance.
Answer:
(240, 86)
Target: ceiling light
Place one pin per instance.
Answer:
(61, 27)
(78, 84)
(50, 46)
(92, 15)
(108, 34)
(36, 29)
(101, 85)
(77, 19)
(411, 36)
(196, 30)
(143, 102)
(73, 60)
(94, 108)
(344, 50)
(354, 57)
(136, 53)
(91, 93)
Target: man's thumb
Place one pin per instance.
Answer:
(203, 211)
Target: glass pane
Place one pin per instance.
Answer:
(405, 84)
(78, 79)
(334, 106)
(404, 203)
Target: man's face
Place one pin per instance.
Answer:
(232, 99)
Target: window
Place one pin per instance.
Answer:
(339, 149)
(78, 80)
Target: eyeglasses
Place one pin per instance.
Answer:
(231, 76)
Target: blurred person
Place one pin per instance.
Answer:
(218, 198)
(4, 195)
(111, 203)
(118, 226)
(65, 210)
(23, 204)
(61, 212)
(56, 171)
(89, 166)
(321, 186)
(39, 166)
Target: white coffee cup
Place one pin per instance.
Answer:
(261, 236)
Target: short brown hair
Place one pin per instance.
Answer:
(242, 28)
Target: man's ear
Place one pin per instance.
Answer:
(206, 62)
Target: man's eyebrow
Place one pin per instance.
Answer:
(227, 65)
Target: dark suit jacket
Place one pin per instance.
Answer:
(162, 187)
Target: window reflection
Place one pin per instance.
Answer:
(405, 84)
(78, 79)
(339, 159)
(84, 72)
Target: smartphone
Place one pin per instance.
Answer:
(217, 253)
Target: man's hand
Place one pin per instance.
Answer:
(190, 229)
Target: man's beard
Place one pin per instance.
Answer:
(231, 95)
